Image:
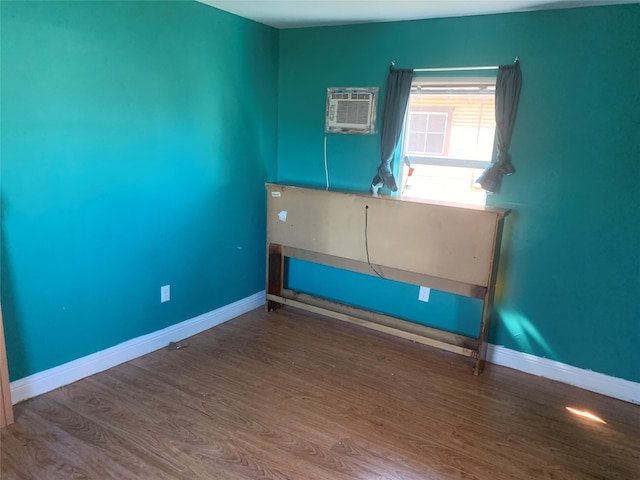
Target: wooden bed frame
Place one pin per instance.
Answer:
(447, 247)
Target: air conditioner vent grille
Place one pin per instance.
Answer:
(354, 112)
(351, 110)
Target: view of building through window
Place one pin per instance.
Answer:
(448, 139)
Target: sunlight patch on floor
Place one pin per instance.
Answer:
(585, 414)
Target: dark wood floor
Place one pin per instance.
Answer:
(289, 395)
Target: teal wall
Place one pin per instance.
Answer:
(136, 139)
(569, 286)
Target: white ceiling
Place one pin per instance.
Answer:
(307, 13)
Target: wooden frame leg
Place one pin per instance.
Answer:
(275, 274)
(487, 307)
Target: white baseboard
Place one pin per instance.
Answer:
(56, 377)
(586, 379)
(75, 370)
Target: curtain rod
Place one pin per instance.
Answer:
(456, 69)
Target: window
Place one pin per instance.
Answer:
(448, 138)
(427, 133)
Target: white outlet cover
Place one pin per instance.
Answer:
(424, 294)
(165, 293)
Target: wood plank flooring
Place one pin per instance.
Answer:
(289, 395)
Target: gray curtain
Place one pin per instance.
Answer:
(396, 98)
(508, 85)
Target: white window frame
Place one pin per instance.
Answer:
(453, 85)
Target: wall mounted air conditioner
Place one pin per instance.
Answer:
(351, 110)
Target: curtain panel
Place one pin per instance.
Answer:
(508, 86)
(396, 98)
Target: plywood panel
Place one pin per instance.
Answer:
(445, 241)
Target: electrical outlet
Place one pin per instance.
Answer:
(165, 293)
(424, 293)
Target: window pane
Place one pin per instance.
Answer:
(435, 143)
(466, 118)
(437, 123)
(416, 142)
(448, 184)
(419, 122)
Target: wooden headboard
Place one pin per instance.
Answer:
(442, 246)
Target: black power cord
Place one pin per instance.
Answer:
(366, 239)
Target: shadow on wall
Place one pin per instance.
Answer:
(10, 313)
